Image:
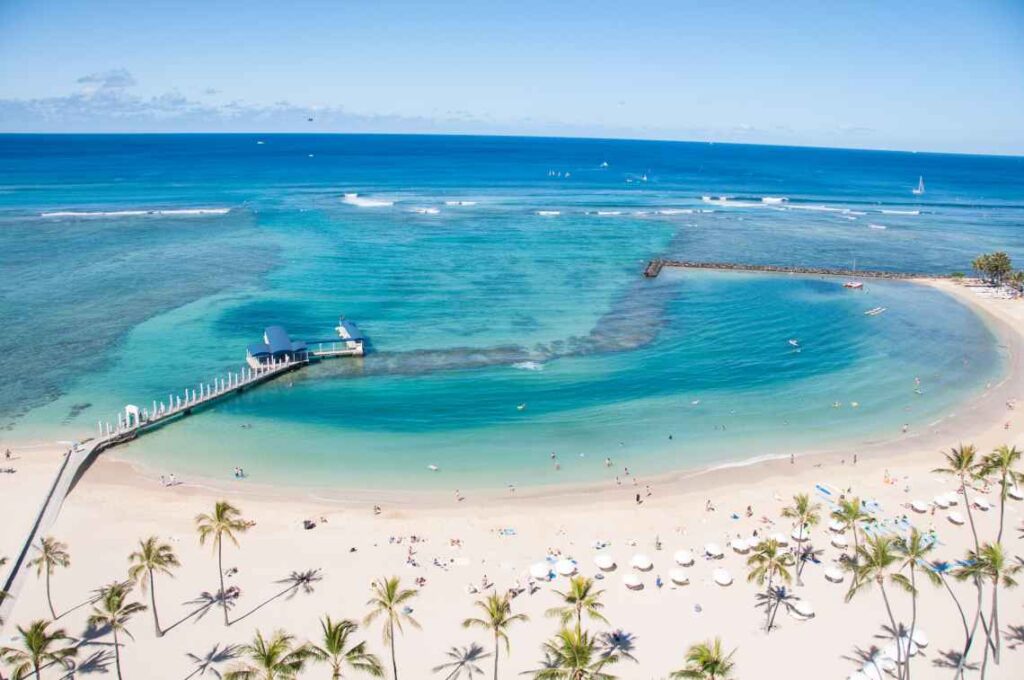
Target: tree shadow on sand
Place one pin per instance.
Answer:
(209, 661)
(202, 604)
(1014, 636)
(951, 658)
(97, 662)
(296, 582)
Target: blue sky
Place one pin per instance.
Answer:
(938, 75)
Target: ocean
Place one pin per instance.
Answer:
(513, 337)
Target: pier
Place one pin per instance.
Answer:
(654, 268)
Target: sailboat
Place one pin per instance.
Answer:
(919, 189)
(852, 284)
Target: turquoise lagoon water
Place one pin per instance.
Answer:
(477, 307)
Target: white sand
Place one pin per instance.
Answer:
(116, 505)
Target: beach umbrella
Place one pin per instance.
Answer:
(679, 576)
(683, 558)
(872, 671)
(803, 609)
(1015, 493)
(940, 502)
(800, 534)
(565, 567)
(982, 504)
(722, 577)
(540, 570)
(641, 562)
(952, 498)
(632, 581)
(857, 675)
(919, 506)
(834, 574)
(836, 526)
(713, 550)
(604, 562)
(740, 546)
(955, 518)
(839, 542)
(920, 638)
(781, 539)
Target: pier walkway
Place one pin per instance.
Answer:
(132, 423)
(654, 268)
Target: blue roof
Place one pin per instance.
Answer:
(352, 329)
(276, 342)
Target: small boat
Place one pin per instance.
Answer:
(875, 311)
(604, 164)
(433, 468)
(521, 407)
(855, 285)
(919, 189)
(794, 342)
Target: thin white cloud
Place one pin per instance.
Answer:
(114, 79)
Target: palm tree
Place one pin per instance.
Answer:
(875, 562)
(463, 662)
(804, 514)
(574, 655)
(914, 552)
(389, 601)
(52, 554)
(497, 617)
(706, 661)
(225, 521)
(3, 593)
(1002, 462)
(275, 659)
(151, 557)
(850, 512)
(114, 611)
(962, 463)
(581, 598)
(39, 646)
(335, 650)
(766, 563)
(991, 564)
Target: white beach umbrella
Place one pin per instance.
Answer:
(679, 576)
(857, 675)
(604, 562)
(952, 498)
(920, 638)
(982, 504)
(803, 609)
(722, 577)
(872, 671)
(632, 581)
(955, 517)
(540, 570)
(565, 567)
(1015, 493)
(919, 506)
(800, 534)
(683, 558)
(641, 562)
(837, 526)
(713, 550)
(840, 542)
(781, 539)
(834, 574)
(741, 546)
(941, 502)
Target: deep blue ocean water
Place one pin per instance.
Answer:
(488, 273)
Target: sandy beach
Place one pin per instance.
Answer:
(492, 538)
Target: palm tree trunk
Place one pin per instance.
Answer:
(895, 632)
(1002, 508)
(394, 660)
(970, 515)
(994, 620)
(36, 667)
(495, 656)
(220, 573)
(913, 614)
(768, 618)
(117, 655)
(49, 600)
(974, 629)
(152, 600)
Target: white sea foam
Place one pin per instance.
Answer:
(180, 212)
(901, 212)
(460, 203)
(549, 213)
(426, 211)
(608, 213)
(675, 211)
(774, 199)
(529, 366)
(363, 202)
(877, 226)
(819, 208)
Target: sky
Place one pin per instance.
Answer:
(941, 75)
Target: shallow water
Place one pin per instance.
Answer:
(479, 308)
